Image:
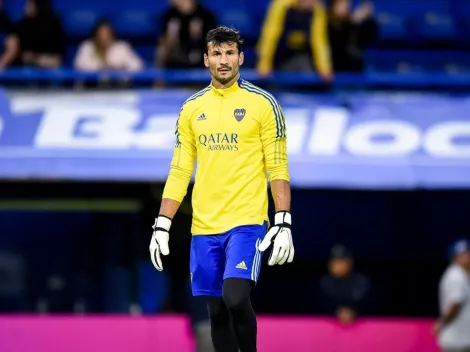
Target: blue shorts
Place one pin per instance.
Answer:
(233, 254)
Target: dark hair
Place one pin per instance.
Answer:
(102, 22)
(224, 34)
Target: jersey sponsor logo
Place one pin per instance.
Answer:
(219, 141)
(202, 117)
(239, 114)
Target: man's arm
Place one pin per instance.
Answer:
(274, 139)
(181, 167)
(457, 295)
(280, 190)
(451, 313)
(456, 290)
(273, 27)
(319, 42)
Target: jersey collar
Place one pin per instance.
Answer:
(227, 91)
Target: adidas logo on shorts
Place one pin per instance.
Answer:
(241, 265)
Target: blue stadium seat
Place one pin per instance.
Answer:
(70, 54)
(418, 61)
(392, 26)
(15, 9)
(135, 23)
(395, 16)
(434, 26)
(146, 52)
(460, 8)
(79, 23)
(235, 14)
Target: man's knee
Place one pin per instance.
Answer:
(236, 294)
(217, 311)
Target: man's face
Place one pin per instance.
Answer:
(464, 259)
(223, 61)
(183, 5)
(340, 267)
(306, 4)
(341, 8)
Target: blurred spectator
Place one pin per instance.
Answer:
(349, 34)
(104, 52)
(453, 328)
(9, 55)
(342, 291)
(12, 282)
(294, 38)
(185, 26)
(39, 37)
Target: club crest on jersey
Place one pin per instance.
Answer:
(239, 114)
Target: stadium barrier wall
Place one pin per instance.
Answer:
(356, 140)
(201, 76)
(173, 334)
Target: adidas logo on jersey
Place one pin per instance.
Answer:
(201, 117)
(241, 265)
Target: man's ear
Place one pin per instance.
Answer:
(241, 58)
(206, 60)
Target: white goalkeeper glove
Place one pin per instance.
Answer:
(281, 237)
(159, 241)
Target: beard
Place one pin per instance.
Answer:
(226, 77)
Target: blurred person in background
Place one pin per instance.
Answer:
(9, 54)
(39, 38)
(103, 51)
(13, 281)
(453, 328)
(349, 34)
(343, 292)
(185, 25)
(294, 38)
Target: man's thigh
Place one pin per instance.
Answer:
(207, 264)
(243, 259)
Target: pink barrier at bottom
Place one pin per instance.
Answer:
(172, 334)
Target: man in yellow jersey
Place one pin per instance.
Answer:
(294, 37)
(237, 134)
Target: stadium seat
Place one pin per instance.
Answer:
(136, 23)
(392, 27)
(436, 27)
(417, 60)
(394, 19)
(146, 52)
(237, 15)
(79, 23)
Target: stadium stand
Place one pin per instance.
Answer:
(410, 31)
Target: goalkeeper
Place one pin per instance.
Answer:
(237, 133)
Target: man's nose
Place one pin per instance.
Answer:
(223, 59)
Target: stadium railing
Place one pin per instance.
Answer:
(419, 80)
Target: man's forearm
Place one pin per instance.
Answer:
(451, 314)
(280, 190)
(169, 207)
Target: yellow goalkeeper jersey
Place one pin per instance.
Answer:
(237, 139)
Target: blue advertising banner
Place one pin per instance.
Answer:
(357, 141)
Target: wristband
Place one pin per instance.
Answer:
(162, 223)
(283, 218)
